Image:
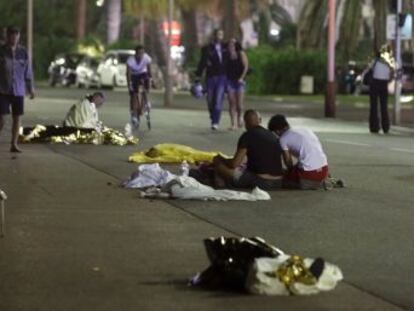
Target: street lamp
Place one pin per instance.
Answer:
(30, 29)
(330, 105)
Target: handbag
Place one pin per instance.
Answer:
(369, 75)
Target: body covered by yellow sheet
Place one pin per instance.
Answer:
(172, 153)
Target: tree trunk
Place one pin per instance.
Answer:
(113, 20)
(189, 35)
(380, 23)
(159, 47)
(311, 24)
(350, 27)
(231, 21)
(81, 27)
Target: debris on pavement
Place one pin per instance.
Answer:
(254, 266)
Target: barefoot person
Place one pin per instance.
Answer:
(311, 169)
(264, 158)
(237, 67)
(16, 80)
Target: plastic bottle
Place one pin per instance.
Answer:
(184, 168)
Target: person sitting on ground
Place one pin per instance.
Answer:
(311, 169)
(85, 113)
(264, 158)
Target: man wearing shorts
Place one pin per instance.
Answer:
(311, 169)
(16, 80)
(264, 158)
(138, 76)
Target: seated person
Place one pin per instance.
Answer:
(311, 169)
(264, 158)
(85, 114)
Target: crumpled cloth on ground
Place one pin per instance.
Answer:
(252, 265)
(162, 184)
(187, 188)
(148, 175)
(73, 135)
(172, 153)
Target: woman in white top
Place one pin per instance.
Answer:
(138, 76)
(382, 71)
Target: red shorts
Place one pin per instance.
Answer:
(296, 174)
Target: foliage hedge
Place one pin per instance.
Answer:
(277, 71)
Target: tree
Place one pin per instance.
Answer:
(81, 21)
(311, 24)
(349, 27)
(114, 17)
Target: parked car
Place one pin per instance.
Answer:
(112, 69)
(86, 72)
(62, 70)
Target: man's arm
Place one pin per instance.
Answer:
(202, 63)
(28, 76)
(234, 162)
(287, 159)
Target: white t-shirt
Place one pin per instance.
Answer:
(138, 67)
(304, 145)
(381, 71)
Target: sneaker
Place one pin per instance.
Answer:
(214, 127)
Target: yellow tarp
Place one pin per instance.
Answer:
(172, 153)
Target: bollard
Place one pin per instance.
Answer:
(3, 197)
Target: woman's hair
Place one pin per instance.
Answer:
(237, 44)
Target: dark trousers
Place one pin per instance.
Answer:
(216, 88)
(378, 92)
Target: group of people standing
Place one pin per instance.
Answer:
(225, 66)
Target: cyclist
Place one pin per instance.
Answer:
(138, 76)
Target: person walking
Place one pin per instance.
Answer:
(382, 72)
(237, 67)
(213, 61)
(16, 80)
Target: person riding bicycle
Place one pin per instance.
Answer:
(138, 76)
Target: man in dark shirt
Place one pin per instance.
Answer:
(264, 162)
(213, 62)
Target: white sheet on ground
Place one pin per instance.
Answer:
(183, 187)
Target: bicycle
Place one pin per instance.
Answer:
(142, 98)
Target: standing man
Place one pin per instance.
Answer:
(16, 80)
(213, 61)
(382, 72)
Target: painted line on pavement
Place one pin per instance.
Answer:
(402, 150)
(345, 142)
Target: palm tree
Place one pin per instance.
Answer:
(81, 22)
(311, 24)
(114, 17)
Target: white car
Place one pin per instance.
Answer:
(86, 73)
(112, 69)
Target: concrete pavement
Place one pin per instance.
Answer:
(75, 241)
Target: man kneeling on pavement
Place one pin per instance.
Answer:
(311, 169)
(264, 165)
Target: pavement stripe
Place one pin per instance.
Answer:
(345, 142)
(403, 150)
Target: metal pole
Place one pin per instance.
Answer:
(168, 80)
(30, 29)
(330, 87)
(3, 197)
(141, 29)
(398, 66)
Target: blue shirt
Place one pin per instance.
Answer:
(16, 77)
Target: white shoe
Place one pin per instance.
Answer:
(214, 127)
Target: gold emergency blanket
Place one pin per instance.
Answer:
(173, 153)
(70, 135)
